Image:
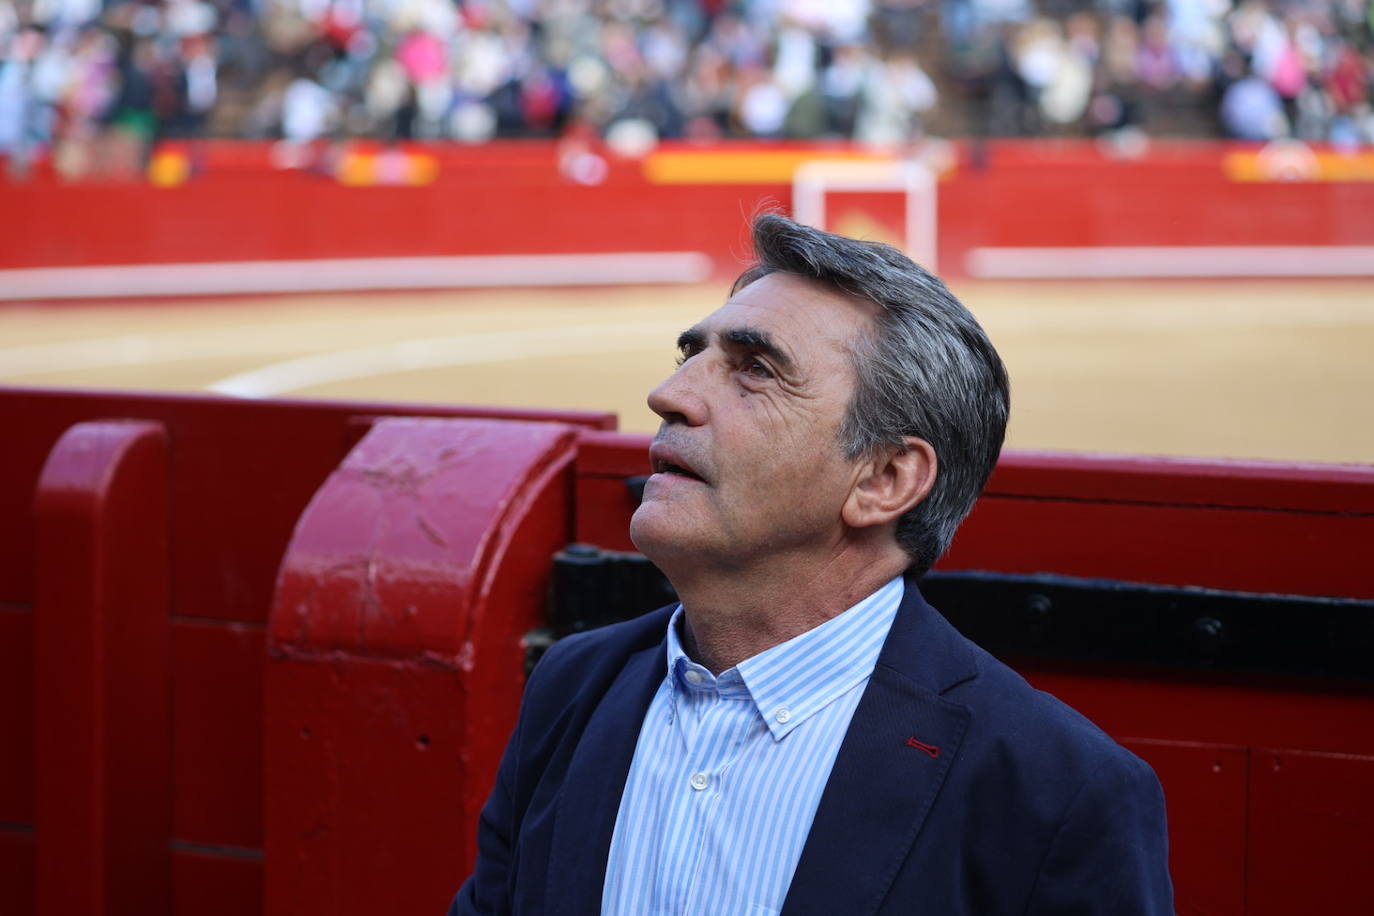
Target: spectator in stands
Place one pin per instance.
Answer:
(132, 118)
(895, 96)
(25, 115)
(308, 109)
(803, 728)
(85, 97)
(1250, 108)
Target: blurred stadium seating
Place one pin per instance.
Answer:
(93, 84)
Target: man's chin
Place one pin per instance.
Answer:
(645, 526)
(657, 531)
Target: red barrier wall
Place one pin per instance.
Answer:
(396, 661)
(515, 198)
(78, 582)
(339, 677)
(103, 748)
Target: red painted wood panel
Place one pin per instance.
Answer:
(1311, 822)
(102, 690)
(369, 766)
(395, 657)
(1328, 488)
(1238, 549)
(204, 884)
(27, 442)
(241, 474)
(1205, 790)
(217, 715)
(613, 454)
(17, 869)
(1187, 707)
(16, 715)
(603, 503)
(609, 529)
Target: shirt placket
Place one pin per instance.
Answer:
(713, 731)
(724, 729)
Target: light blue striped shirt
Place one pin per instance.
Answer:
(729, 770)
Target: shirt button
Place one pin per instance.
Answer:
(700, 781)
(693, 676)
(782, 715)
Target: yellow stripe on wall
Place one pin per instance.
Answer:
(1297, 162)
(739, 166)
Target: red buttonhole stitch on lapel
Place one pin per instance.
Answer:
(930, 749)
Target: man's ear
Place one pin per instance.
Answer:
(890, 484)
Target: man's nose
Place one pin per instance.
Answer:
(677, 399)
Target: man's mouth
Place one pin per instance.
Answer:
(665, 460)
(667, 467)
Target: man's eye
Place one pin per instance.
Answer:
(757, 369)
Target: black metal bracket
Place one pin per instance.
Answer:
(1129, 623)
(1097, 621)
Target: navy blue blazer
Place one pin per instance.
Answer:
(958, 789)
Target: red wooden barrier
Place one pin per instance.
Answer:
(362, 726)
(103, 691)
(239, 474)
(395, 657)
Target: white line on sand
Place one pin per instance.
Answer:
(142, 350)
(1171, 261)
(439, 352)
(354, 274)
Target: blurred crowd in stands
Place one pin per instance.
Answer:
(94, 82)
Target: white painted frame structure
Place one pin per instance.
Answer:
(814, 179)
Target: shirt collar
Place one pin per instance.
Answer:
(794, 680)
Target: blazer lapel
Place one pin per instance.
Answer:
(593, 784)
(901, 743)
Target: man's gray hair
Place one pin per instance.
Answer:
(927, 369)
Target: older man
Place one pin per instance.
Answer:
(803, 733)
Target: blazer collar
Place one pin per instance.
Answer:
(901, 742)
(924, 647)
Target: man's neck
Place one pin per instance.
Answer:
(736, 614)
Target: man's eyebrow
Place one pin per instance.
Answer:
(691, 339)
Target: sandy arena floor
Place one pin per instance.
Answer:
(1264, 369)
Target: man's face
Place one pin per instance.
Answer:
(747, 459)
